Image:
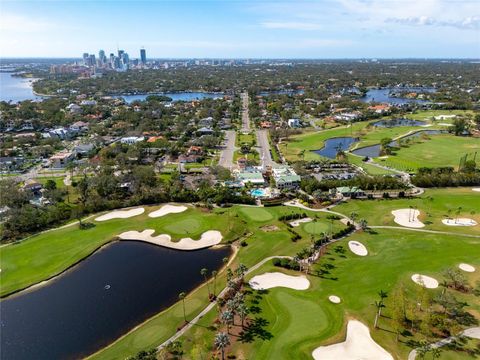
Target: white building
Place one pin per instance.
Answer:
(130, 140)
(294, 123)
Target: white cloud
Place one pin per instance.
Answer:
(468, 23)
(290, 25)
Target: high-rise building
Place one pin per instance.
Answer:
(85, 58)
(101, 57)
(143, 56)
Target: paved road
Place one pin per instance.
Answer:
(226, 155)
(264, 148)
(245, 114)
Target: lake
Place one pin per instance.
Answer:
(176, 96)
(15, 89)
(384, 95)
(100, 299)
(398, 123)
(332, 146)
(374, 150)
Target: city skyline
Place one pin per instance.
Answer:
(243, 29)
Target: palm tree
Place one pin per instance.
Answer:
(214, 274)
(221, 342)
(363, 224)
(241, 270)
(181, 296)
(204, 273)
(457, 213)
(242, 310)
(436, 352)
(227, 319)
(353, 216)
(379, 305)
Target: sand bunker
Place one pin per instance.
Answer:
(444, 117)
(358, 345)
(277, 279)
(121, 214)
(476, 189)
(208, 238)
(167, 209)
(466, 267)
(459, 222)
(473, 333)
(358, 248)
(334, 299)
(408, 218)
(296, 223)
(427, 281)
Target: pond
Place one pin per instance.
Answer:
(176, 96)
(374, 150)
(384, 95)
(100, 299)
(397, 123)
(333, 145)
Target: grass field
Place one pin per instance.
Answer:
(439, 150)
(299, 321)
(434, 206)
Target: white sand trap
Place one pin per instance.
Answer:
(334, 299)
(277, 279)
(296, 223)
(444, 117)
(358, 248)
(121, 214)
(358, 345)
(466, 267)
(459, 222)
(476, 189)
(427, 281)
(408, 218)
(167, 209)
(445, 124)
(473, 333)
(208, 238)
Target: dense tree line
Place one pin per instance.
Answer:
(445, 177)
(310, 184)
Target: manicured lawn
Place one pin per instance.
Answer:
(434, 206)
(439, 150)
(316, 227)
(299, 321)
(257, 214)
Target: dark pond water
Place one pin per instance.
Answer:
(385, 95)
(177, 96)
(398, 123)
(374, 150)
(99, 300)
(333, 145)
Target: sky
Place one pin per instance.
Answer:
(242, 28)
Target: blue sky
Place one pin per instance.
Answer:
(255, 29)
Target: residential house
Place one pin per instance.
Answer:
(294, 123)
(130, 140)
(60, 160)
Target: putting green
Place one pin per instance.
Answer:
(256, 214)
(316, 227)
(185, 226)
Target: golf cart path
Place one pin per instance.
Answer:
(473, 332)
(213, 303)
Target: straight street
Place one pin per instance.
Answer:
(264, 148)
(245, 114)
(226, 155)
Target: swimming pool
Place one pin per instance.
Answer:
(258, 193)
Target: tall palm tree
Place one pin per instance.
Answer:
(227, 319)
(181, 296)
(436, 352)
(221, 342)
(379, 305)
(242, 310)
(204, 273)
(214, 274)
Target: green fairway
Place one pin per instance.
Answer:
(300, 321)
(439, 150)
(434, 206)
(185, 226)
(316, 227)
(256, 214)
